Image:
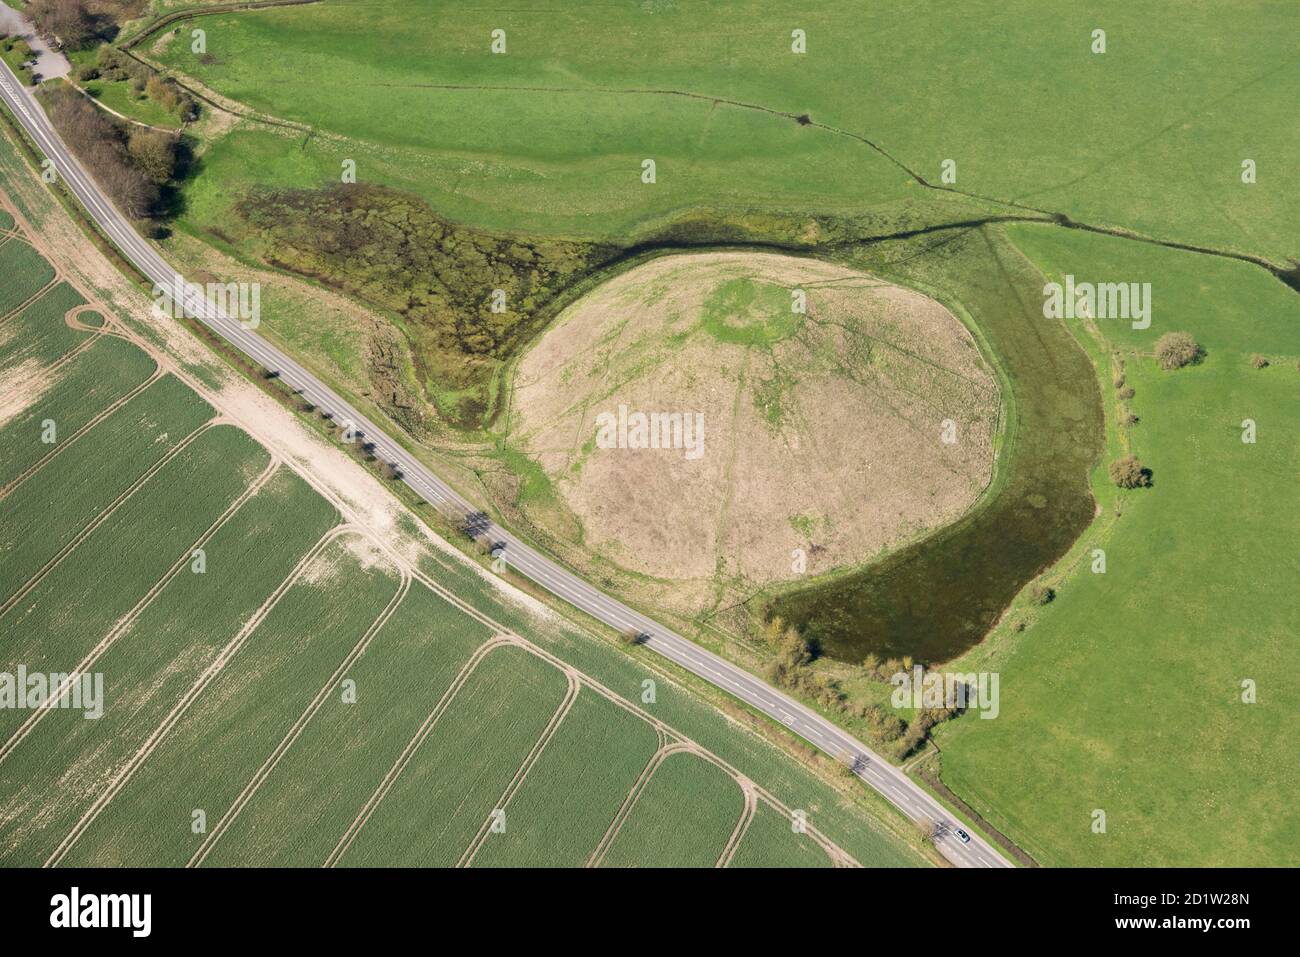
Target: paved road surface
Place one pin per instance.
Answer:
(896, 787)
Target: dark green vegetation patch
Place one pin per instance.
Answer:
(938, 597)
(468, 298)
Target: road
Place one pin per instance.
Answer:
(896, 787)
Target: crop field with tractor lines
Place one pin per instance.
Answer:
(279, 687)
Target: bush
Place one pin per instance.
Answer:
(1127, 393)
(1129, 473)
(918, 730)
(188, 109)
(1176, 349)
(1043, 595)
(87, 73)
(884, 725)
(112, 64)
(1258, 361)
(166, 93)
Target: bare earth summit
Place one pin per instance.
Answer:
(823, 432)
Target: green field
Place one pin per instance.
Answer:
(772, 841)
(314, 793)
(551, 134)
(99, 580)
(25, 272)
(90, 382)
(184, 628)
(226, 737)
(683, 818)
(88, 476)
(1129, 685)
(243, 714)
(596, 757)
(39, 332)
(117, 96)
(460, 771)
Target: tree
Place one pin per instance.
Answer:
(130, 189)
(112, 64)
(1129, 473)
(154, 154)
(794, 649)
(773, 629)
(67, 20)
(102, 147)
(788, 669)
(927, 830)
(884, 725)
(1176, 349)
(21, 58)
